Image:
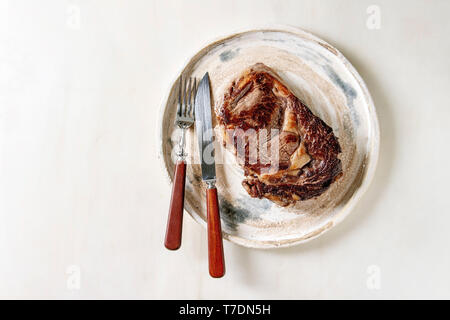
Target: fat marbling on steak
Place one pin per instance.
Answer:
(296, 157)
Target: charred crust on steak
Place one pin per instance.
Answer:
(308, 150)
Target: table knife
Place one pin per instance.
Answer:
(203, 128)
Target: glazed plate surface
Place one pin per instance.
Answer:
(326, 82)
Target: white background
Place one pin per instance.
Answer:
(81, 84)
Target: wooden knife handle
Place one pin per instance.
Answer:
(215, 246)
(175, 219)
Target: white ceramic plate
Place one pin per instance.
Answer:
(329, 85)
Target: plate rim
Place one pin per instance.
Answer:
(370, 169)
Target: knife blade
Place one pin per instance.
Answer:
(205, 136)
(203, 127)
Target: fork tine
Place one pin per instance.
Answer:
(189, 105)
(184, 98)
(180, 84)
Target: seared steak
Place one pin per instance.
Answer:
(288, 154)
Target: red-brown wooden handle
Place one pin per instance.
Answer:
(175, 219)
(215, 246)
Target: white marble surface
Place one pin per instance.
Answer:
(81, 185)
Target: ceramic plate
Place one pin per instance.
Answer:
(321, 77)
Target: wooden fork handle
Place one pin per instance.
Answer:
(215, 246)
(175, 219)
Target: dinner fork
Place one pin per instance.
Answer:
(183, 120)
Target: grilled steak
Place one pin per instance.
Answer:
(287, 153)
